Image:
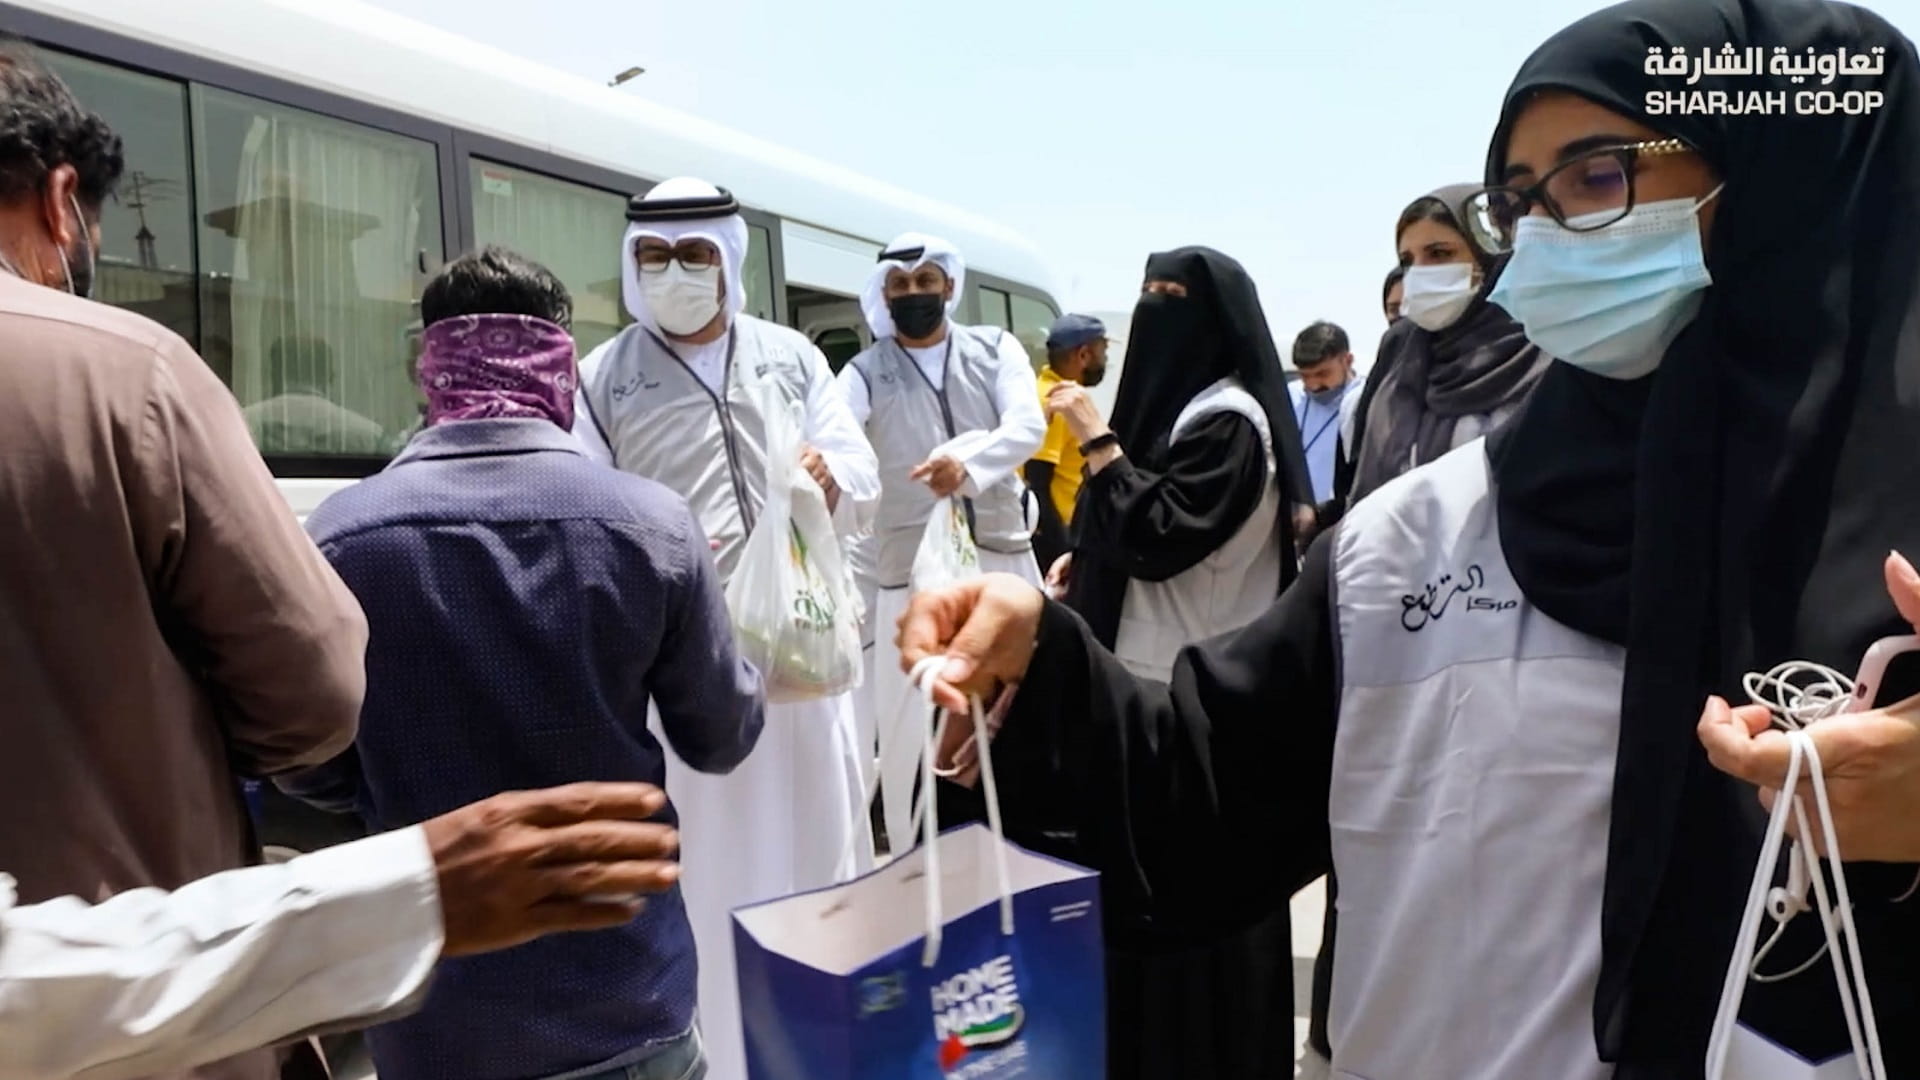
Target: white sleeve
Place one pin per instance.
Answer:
(586, 431)
(855, 392)
(152, 982)
(1023, 427)
(589, 429)
(832, 430)
(1349, 410)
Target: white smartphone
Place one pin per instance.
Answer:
(1873, 670)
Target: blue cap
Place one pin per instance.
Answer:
(1073, 331)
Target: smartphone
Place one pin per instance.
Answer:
(1889, 673)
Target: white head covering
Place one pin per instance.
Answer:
(681, 201)
(901, 255)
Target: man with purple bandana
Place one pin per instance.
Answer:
(523, 604)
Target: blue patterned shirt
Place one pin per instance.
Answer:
(523, 603)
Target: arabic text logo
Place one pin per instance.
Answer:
(1432, 602)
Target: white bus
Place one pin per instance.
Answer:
(298, 169)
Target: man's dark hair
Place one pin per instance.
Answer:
(43, 126)
(496, 281)
(1394, 277)
(1318, 343)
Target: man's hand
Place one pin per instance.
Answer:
(816, 467)
(1071, 400)
(1058, 575)
(985, 627)
(944, 474)
(525, 864)
(1306, 522)
(1871, 760)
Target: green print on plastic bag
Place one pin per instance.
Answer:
(960, 539)
(813, 606)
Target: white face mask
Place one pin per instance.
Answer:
(682, 301)
(1435, 297)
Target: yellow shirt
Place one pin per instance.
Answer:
(1063, 450)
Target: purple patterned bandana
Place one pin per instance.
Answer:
(477, 367)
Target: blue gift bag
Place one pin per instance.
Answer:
(837, 984)
(968, 958)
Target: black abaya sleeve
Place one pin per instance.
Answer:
(1203, 803)
(1153, 525)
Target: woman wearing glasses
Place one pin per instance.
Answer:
(1479, 701)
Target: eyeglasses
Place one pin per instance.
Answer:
(1584, 193)
(654, 260)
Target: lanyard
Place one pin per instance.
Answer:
(1300, 421)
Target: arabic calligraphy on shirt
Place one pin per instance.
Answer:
(1432, 602)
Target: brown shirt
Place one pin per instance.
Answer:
(165, 625)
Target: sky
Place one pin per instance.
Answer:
(1286, 133)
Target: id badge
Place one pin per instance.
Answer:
(1753, 1056)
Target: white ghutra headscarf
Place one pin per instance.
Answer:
(909, 252)
(677, 210)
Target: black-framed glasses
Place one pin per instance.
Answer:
(1584, 193)
(654, 260)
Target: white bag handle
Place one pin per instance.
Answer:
(1804, 870)
(922, 679)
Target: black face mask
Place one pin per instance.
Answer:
(917, 315)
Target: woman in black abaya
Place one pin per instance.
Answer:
(1181, 493)
(1183, 531)
(1549, 872)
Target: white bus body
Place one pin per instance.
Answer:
(302, 167)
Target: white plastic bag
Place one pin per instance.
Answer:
(947, 554)
(792, 611)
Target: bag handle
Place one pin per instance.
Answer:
(920, 684)
(1803, 869)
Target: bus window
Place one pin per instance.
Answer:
(316, 236)
(570, 229)
(1031, 321)
(839, 345)
(993, 308)
(757, 275)
(146, 261)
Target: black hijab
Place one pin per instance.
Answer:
(1178, 346)
(1428, 380)
(1733, 509)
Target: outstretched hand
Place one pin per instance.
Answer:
(944, 474)
(985, 627)
(524, 864)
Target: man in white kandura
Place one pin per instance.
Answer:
(950, 410)
(674, 398)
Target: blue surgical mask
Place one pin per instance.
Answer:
(1328, 395)
(1608, 301)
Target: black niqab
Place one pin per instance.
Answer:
(1178, 346)
(1733, 509)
